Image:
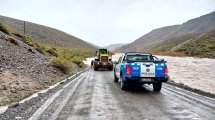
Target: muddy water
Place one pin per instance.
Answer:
(195, 72)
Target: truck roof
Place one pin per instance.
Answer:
(135, 53)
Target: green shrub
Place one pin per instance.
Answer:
(52, 51)
(78, 60)
(61, 63)
(6, 100)
(5, 29)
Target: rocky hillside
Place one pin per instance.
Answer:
(183, 32)
(45, 34)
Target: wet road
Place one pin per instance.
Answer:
(93, 95)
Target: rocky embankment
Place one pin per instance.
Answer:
(23, 70)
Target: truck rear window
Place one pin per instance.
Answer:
(139, 58)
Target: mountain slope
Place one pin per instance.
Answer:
(112, 47)
(190, 28)
(201, 46)
(46, 34)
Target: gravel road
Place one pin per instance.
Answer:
(93, 95)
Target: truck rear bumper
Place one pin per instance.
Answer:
(136, 80)
(104, 66)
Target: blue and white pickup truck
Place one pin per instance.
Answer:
(135, 68)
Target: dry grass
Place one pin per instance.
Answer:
(61, 63)
(5, 29)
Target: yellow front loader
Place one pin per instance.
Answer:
(103, 60)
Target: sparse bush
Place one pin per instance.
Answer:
(5, 29)
(12, 40)
(61, 63)
(6, 100)
(52, 51)
(78, 60)
(29, 41)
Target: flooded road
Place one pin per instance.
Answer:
(94, 95)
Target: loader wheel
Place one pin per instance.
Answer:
(157, 86)
(110, 69)
(95, 68)
(116, 79)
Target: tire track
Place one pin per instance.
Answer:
(51, 102)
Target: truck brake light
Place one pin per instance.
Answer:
(128, 70)
(166, 70)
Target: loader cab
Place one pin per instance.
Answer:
(102, 51)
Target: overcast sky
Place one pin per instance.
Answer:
(104, 22)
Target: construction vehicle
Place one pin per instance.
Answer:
(103, 60)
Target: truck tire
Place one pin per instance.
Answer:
(123, 86)
(115, 77)
(157, 86)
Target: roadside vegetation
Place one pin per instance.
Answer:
(62, 56)
(5, 29)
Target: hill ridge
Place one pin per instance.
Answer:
(194, 26)
(46, 34)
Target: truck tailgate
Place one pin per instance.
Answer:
(147, 69)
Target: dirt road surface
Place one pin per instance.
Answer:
(94, 96)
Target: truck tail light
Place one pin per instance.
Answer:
(128, 70)
(166, 70)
